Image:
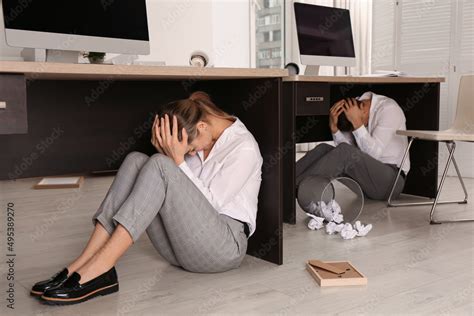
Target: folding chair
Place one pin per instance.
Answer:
(461, 131)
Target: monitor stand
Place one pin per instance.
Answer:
(311, 70)
(62, 56)
(33, 54)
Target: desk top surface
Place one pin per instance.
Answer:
(362, 79)
(43, 70)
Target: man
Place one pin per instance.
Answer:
(367, 147)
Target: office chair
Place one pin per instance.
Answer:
(462, 130)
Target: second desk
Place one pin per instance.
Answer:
(306, 102)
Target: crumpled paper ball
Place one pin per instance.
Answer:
(313, 208)
(348, 232)
(333, 228)
(332, 213)
(362, 230)
(315, 222)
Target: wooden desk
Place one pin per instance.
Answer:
(308, 100)
(66, 118)
(63, 119)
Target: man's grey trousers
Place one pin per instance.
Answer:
(375, 178)
(153, 194)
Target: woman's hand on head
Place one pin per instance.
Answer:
(154, 131)
(168, 140)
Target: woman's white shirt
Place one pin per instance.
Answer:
(231, 175)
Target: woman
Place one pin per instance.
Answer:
(196, 199)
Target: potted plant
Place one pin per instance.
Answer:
(94, 57)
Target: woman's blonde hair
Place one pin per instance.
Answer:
(198, 107)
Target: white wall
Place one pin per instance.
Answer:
(220, 28)
(179, 27)
(231, 21)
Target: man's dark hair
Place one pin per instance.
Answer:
(343, 123)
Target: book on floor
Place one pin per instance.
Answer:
(59, 182)
(335, 273)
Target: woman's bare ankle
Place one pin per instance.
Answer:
(73, 267)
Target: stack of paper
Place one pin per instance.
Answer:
(387, 73)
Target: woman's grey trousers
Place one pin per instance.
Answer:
(153, 194)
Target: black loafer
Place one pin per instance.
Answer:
(71, 292)
(54, 281)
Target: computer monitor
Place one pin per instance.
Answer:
(324, 37)
(66, 27)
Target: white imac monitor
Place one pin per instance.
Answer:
(65, 27)
(324, 37)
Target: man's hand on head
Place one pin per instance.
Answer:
(334, 113)
(353, 112)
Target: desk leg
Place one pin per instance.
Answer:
(421, 104)
(257, 103)
(289, 154)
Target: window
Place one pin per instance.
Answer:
(271, 3)
(267, 33)
(276, 35)
(276, 53)
(268, 20)
(266, 37)
(264, 54)
(275, 19)
(428, 38)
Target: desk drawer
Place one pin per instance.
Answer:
(13, 116)
(312, 98)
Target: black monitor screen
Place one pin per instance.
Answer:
(324, 31)
(124, 19)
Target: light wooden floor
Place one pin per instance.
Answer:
(412, 267)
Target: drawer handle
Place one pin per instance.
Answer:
(314, 99)
(3, 105)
